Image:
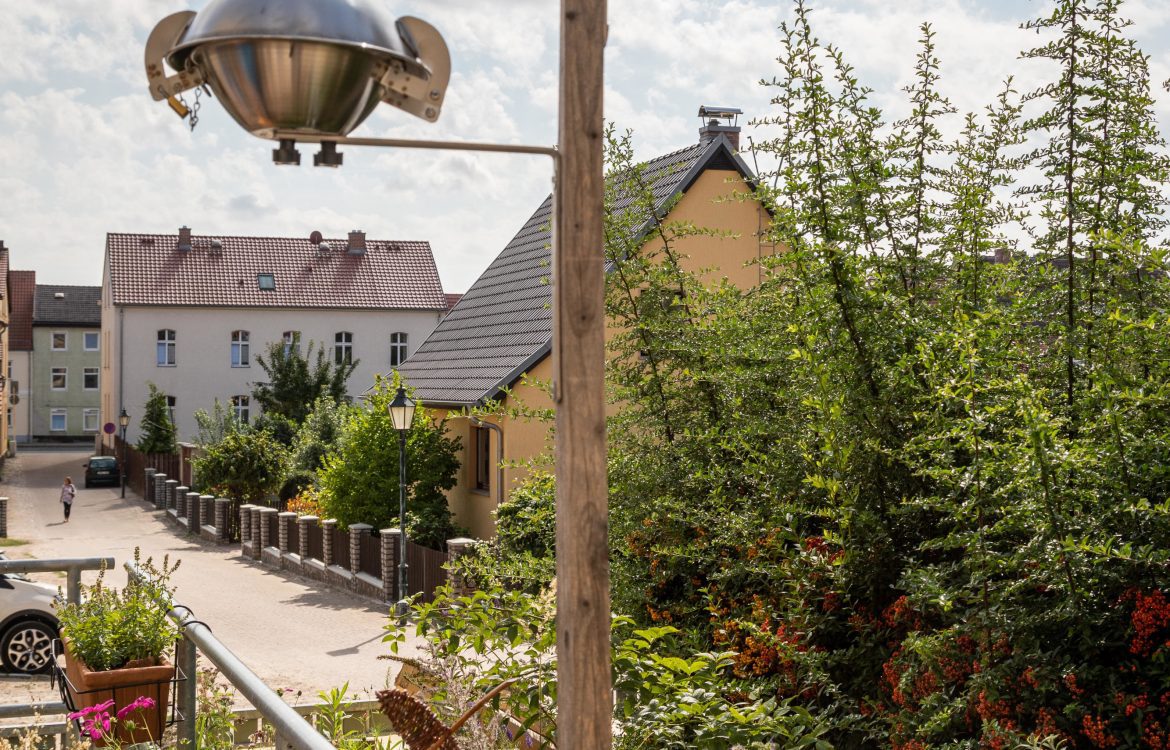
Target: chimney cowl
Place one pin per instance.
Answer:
(357, 242)
(719, 121)
(184, 244)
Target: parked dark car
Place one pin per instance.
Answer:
(102, 470)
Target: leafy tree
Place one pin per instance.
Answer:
(296, 380)
(158, 431)
(246, 465)
(318, 434)
(213, 426)
(359, 482)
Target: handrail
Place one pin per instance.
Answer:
(291, 728)
(71, 565)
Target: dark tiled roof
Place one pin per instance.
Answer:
(148, 269)
(21, 290)
(77, 305)
(503, 324)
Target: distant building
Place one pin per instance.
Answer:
(5, 375)
(22, 286)
(190, 313)
(64, 380)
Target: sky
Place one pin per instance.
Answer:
(84, 150)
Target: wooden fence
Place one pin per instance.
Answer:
(136, 464)
(426, 572)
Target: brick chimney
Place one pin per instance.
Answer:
(719, 121)
(357, 242)
(184, 244)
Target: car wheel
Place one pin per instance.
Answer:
(27, 647)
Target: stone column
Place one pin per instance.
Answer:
(246, 522)
(305, 523)
(223, 507)
(327, 527)
(284, 520)
(356, 532)
(266, 539)
(457, 547)
(148, 485)
(391, 538)
(159, 485)
(167, 498)
(180, 494)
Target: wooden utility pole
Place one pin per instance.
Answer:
(584, 685)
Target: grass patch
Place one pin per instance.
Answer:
(8, 542)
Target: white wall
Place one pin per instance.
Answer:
(20, 363)
(203, 370)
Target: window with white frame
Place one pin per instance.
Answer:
(292, 340)
(89, 420)
(240, 407)
(91, 340)
(89, 380)
(397, 348)
(343, 347)
(57, 420)
(60, 341)
(171, 409)
(165, 356)
(240, 348)
(59, 378)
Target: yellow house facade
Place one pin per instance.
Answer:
(494, 346)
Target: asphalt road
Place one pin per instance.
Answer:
(293, 634)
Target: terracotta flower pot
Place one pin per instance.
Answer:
(124, 686)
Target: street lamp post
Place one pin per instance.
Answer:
(312, 73)
(123, 422)
(402, 416)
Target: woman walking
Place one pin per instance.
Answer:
(68, 492)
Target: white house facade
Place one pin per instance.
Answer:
(190, 314)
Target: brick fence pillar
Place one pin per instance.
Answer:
(456, 548)
(168, 494)
(256, 521)
(284, 521)
(246, 522)
(391, 538)
(266, 539)
(327, 527)
(148, 485)
(3, 517)
(181, 504)
(179, 495)
(223, 508)
(357, 531)
(159, 485)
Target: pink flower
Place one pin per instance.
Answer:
(138, 704)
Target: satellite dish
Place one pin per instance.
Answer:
(315, 237)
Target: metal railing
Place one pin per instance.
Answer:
(291, 729)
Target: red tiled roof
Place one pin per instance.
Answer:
(22, 287)
(452, 299)
(148, 269)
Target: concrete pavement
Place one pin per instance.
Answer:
(293, 634)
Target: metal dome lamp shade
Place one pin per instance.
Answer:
(316, 68)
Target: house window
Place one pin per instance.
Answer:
(166, 348)
(60, 378)
(60, 341)
(91, 340)
(265, 281)
(90, 379)
(240, 406)
(239, 348)
(292, 339)
(481, 442)
(89, 420)
(343, 347)
(171, 409)
(397, 348)
(57, 421)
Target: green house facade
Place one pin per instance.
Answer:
(65, 365)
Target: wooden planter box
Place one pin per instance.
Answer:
(124, 686)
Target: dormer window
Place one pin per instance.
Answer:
(265, 282)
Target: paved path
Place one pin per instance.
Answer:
(293, 634)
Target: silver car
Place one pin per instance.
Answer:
(28, 624)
